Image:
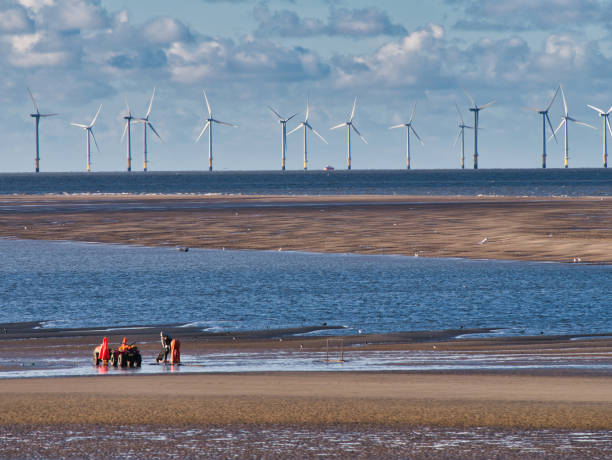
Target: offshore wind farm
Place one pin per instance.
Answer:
(350, 125)
(429, 279)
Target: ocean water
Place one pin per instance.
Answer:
(513, 182)
(78, 284)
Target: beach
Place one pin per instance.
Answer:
(509, 407)
(413, 411)
(509, 228)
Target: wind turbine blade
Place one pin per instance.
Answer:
(296, 128)
(80, 125)
(457, 138)
(552, 100)
(353, 111)
(151, 103)
(48, 114)
(584, 124)
(290, 117)
(153, 129)
(412, 114)
(307, 110)
(93, 122)
(609, 110)
(598, 110)
(275, 113)
(468, 95)
(94, 138)
(558, 128)
(564, 101)
(397, 126)
(608, 124)
(459, 112)
(358, 133)
(203, 130)
(128, 106)
(225, 124)
(417, 136)
(489, 104)
(533, 109)
(207, 104)
(124, 130)
(338, 126)
(314, 131)
(33, 100)
(551, 127)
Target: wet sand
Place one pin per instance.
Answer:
(513, 228)
(477, 414)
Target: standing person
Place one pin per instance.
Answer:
(102, 353)
(166, 342)
(175, 351)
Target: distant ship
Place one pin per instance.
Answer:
(328, 168)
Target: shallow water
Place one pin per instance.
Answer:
(77, 285)
(336, 359)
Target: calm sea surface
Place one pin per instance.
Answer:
(79, 284)
(515, 182)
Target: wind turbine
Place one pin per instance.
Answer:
(409, 128)
(146, 123)
(606, 123)
(128, 120)
(304, 124)
(546, 119)
(209, 124)
(461, 134)
(349, 124)
(476, 109)
(564, 119)
(283, 123)
(89, 130)
(37, 117)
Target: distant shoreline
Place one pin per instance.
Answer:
(556, 229)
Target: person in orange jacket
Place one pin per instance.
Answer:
(124, 345)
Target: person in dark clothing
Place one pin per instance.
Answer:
(166, 340)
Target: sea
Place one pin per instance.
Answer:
(468, 182)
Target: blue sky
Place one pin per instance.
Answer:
(77, 54)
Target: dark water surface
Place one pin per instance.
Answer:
(79, 284)
(513, 182)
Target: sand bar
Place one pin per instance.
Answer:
(511, 401)
(513, 228)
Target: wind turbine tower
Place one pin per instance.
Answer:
(209, 125)
(146, 123)
(461, 134)
(37, 117)
(89, 132)
(409, 128)
(283, 123)
(304, 124)
(476, 109)
(606, 123)
(565, 118)
(128, 120)
(546, 119)
(349, 124)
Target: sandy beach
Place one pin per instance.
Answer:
(469, 414)
(399, 413)
(512, 228)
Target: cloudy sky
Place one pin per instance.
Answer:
(77, 54)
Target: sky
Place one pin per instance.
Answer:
(248, 55)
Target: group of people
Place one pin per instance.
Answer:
(170, 347)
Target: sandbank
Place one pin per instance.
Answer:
(514, 228)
